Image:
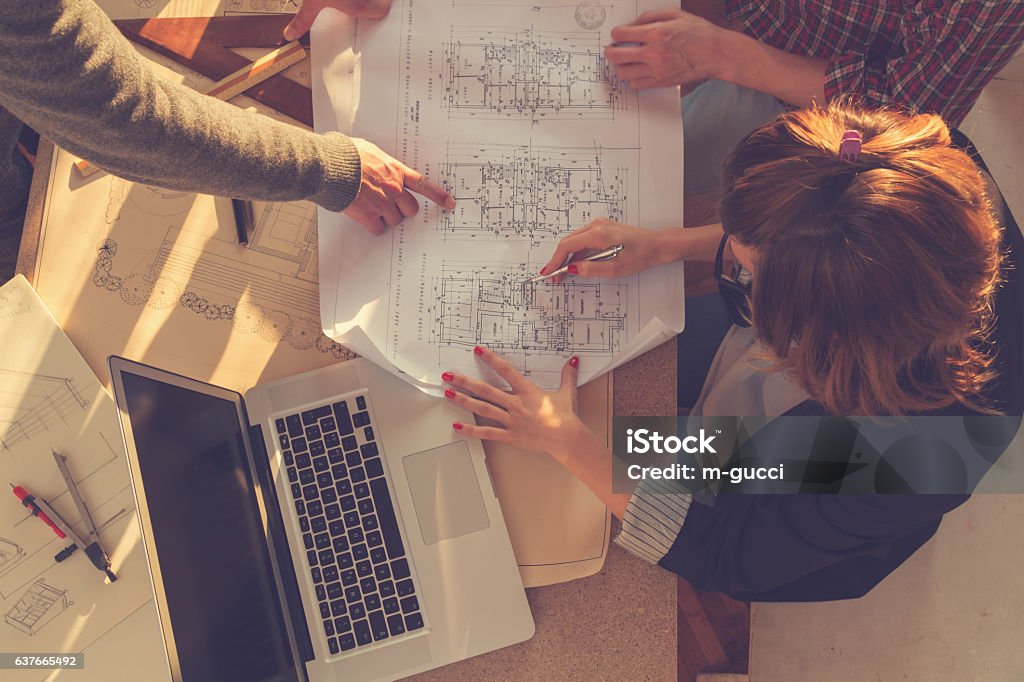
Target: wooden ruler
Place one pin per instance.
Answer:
(260, 70)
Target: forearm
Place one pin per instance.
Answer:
(591, 462)
(65, 70)
(690, 243)
(791, 78)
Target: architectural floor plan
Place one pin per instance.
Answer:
(488, 304)
(514, 110)
(529, 73)
(532, 193)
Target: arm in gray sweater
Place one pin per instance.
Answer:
(67, 71)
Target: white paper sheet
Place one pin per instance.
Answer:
(49, 398)
(512, 107)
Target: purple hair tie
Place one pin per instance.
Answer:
(849, 148)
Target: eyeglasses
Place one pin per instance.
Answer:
(735, 292)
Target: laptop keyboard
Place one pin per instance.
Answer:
(364, 587)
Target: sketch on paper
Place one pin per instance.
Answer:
(529, 73)
(270, 289)
(491, 305)
(10, 554)
(288, 231)
(151, 200)
(31, 403)
(531, 193)
(37, 607)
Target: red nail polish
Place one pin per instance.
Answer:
(544, 270)
(478, 350)
(573, 269)
(574, 362)
(457, 426)
(449, 393)
(447, 376)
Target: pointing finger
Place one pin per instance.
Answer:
(415, 181)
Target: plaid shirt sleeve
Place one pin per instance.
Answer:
(950, 54)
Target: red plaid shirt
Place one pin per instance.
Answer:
(931, 55)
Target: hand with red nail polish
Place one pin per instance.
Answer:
(529, 417)
(642, 249)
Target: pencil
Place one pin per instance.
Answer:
(242, 210)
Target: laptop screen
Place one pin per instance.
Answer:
(214, 559)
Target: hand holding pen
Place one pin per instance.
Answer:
(638, 249)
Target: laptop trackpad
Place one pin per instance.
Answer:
(446, 492)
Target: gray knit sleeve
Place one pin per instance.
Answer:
(66, 71)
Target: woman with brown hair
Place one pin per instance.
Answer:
(875, 275)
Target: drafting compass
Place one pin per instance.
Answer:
(90, 544)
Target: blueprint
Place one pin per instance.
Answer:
(512, 107)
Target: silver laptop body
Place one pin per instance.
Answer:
(385, 549)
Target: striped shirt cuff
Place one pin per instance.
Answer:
(653, 519)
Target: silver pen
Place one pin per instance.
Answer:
(607, 254)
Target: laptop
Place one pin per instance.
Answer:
(327, 526)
